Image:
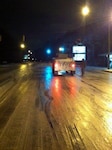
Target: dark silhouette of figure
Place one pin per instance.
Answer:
(83, 65)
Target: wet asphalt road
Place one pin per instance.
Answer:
(39, 111)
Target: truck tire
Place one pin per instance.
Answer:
(72, 73)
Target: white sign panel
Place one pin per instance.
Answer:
(79, 57)
(79, 49)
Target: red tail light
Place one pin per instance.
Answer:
(73, 65)
(56, 65)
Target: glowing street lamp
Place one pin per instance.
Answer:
(61, 49)
(85, 10)
(22, 45)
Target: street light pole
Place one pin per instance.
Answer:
(23, 47)
(108, 54)
(85, 12)
(23, 38)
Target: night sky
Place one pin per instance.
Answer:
(42, 20)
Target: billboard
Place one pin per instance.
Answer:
(79, 57)
(79, 53)
(79, 49)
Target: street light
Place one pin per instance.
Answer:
(108, 53)
(85, 10)
(61, 49)
(48, 51)
(22, 45)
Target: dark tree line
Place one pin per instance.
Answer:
(9, 49)
(95, 38)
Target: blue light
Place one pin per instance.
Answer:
(48, 51)
(61, 49)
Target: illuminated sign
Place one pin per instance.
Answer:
(79, 57)
(79, 49)
(79, 53)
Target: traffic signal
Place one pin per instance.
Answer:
(48, 51)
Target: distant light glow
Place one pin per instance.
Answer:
(48, 51)
(61, 49)
(25, 56)
(22, 45)
(79, 49)
(85, 11)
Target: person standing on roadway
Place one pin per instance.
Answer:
(83, 65)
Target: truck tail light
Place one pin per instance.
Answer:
(56, 65)
(73, 65)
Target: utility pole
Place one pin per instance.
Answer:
(108, 53)
(23, 38)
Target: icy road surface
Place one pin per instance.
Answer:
(39, 111)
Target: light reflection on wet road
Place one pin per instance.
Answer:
(87, 105)
(46, 112)
(48, 76)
